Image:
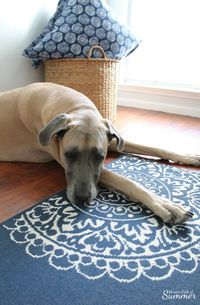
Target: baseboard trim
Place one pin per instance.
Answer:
(166, 101)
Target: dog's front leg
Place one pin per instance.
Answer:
(162, 207)
(138, 149)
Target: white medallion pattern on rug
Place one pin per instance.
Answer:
(113, 236)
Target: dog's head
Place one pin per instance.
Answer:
(82, 142)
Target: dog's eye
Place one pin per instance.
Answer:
(71, 155)
(99, 157)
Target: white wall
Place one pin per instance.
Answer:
(20, 22)
(165, 100)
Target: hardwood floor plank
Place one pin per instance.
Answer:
(24, 184)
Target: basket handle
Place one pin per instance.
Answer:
(98, 48)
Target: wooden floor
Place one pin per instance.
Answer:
(24, 184)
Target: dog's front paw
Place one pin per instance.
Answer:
(188, 160)
(174, 220)
(172, 213)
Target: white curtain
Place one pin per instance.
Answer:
(169, 54)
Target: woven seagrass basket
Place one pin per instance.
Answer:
(96, 78)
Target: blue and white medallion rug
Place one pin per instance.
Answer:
(111, 251)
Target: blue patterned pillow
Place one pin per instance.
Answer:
(76, 26)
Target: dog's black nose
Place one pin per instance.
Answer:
(83, 198)
(82, 193)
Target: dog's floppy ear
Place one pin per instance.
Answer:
(113, 133)
(56, 125)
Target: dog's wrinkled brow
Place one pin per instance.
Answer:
(74, 151)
